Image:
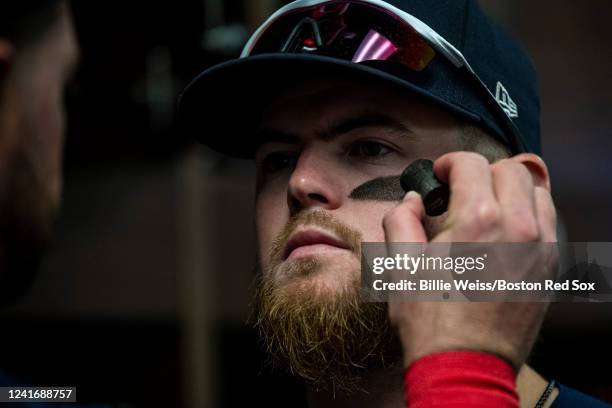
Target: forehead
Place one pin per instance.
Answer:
(314, 103)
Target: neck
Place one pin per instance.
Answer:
(382, 393)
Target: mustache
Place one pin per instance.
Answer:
(315, 218)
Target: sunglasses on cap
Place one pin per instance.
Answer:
(368, 32)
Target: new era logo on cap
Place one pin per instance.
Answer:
(505, 101)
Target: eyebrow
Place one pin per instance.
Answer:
(340, 127)
(364, 120)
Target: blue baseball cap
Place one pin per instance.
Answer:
(447, 51)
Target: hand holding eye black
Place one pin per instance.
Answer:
(420, 177)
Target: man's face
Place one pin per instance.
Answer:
(323, 140)
(31, 144)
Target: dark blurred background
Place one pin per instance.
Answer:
(143, 298)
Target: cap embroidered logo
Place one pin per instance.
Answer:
(505, 101)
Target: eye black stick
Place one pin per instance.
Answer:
(420, 177)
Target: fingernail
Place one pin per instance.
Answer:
(411, 195)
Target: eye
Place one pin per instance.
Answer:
(277, 161)
(368, 149)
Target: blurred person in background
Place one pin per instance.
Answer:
(38, 54)
(333, 100)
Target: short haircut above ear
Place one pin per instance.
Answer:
(473, 138)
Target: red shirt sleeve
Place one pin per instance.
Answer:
(460, 379)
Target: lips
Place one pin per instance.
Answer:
(312, 237)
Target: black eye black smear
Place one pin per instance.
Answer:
(379, 189)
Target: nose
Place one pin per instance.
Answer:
(314, 183)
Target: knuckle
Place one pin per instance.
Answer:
(474, 157)
(487, 215)
(497, 168)
(526, 230)
(512, 169)
(503, 164)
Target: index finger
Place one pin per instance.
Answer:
(469, 178)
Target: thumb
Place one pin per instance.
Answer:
(404, 223)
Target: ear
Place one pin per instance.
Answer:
(6, 57)
(537, 168)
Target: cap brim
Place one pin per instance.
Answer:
(221, 106)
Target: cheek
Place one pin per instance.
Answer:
(271, 215)
(53, 139)
(52, 130)
(368, 219)
(48, 112)
(44, 121)
(54, 114)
